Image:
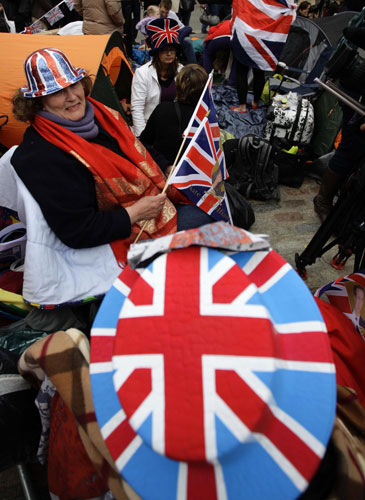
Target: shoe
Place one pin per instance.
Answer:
(254, 106)
(238, 110)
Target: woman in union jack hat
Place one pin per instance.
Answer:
(93, 180)
(154, 82)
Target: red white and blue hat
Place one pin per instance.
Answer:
(212, 377)
(161, 32)
(48, 71)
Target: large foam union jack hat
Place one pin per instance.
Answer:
(161, 32)
(212, 376)
(47, 71)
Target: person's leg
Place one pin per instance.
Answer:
(136, 12)
(242, 86)
(258, 86)
(127, 13)
(188, 50)
(184, 16)
(191, 216)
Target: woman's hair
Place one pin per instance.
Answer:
(171, 69)
(303, 5)
(24, 108)
(190, 83)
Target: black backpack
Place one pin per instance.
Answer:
(251, 167)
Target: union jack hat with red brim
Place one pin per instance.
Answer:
(47, 71)
(212, 377)
(162, 32)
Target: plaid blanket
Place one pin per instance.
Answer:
(64, 358)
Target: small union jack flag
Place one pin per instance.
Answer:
(54, 15)
(203, 377)
(205, 107)
(164, 36)
(259, 31)
(70, 4)
(36, 27)
(198, 174)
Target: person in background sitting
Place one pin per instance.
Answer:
(154, 82)
(100, 17)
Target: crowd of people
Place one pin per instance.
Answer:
(100, 183)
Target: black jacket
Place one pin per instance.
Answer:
(65, 191)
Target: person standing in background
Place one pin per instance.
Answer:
(132, 15)
(100, 17)
(186, 7)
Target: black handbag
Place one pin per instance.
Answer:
(209, 19)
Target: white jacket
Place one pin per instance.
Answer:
(146, 95)
(54, 274)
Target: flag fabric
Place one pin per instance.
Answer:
(214, 389)
(36, 27)
(259, 31)
(54, 15)
(70, 4)
(205, 105)
(198, 174)
(341, 294)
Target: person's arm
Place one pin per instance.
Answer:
(138, 102)
(114, 10)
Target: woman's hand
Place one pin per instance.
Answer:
(146, 208)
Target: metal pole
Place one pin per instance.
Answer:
(28, 490)
(342, 96)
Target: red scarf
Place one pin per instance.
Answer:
(118, 181)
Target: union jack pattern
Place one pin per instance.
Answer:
(54, 15)
(205, 107)
(36, 27)
(70, 4)
(199, 176)
(49, 70)
(259, 31)
(164, 36)
(340, 294)
(179, 390)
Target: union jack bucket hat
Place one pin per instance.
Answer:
(47, 71)
(212, 376)
(161, 32)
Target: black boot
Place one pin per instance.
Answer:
(324, 199)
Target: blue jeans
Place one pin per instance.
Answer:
(191, 216)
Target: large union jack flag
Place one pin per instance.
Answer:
(259, 31)
(164, 36)
(198, 174)
(203, 380)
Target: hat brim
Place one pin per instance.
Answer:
(30, 94)
(303, 396)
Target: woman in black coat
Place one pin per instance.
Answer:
(163, 133)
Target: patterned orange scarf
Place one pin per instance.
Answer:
(118, 181)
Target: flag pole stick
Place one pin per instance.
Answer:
(167, 181)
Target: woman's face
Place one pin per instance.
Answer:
(167, 54)
(68, 103)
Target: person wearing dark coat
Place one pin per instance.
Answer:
(164, 129)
